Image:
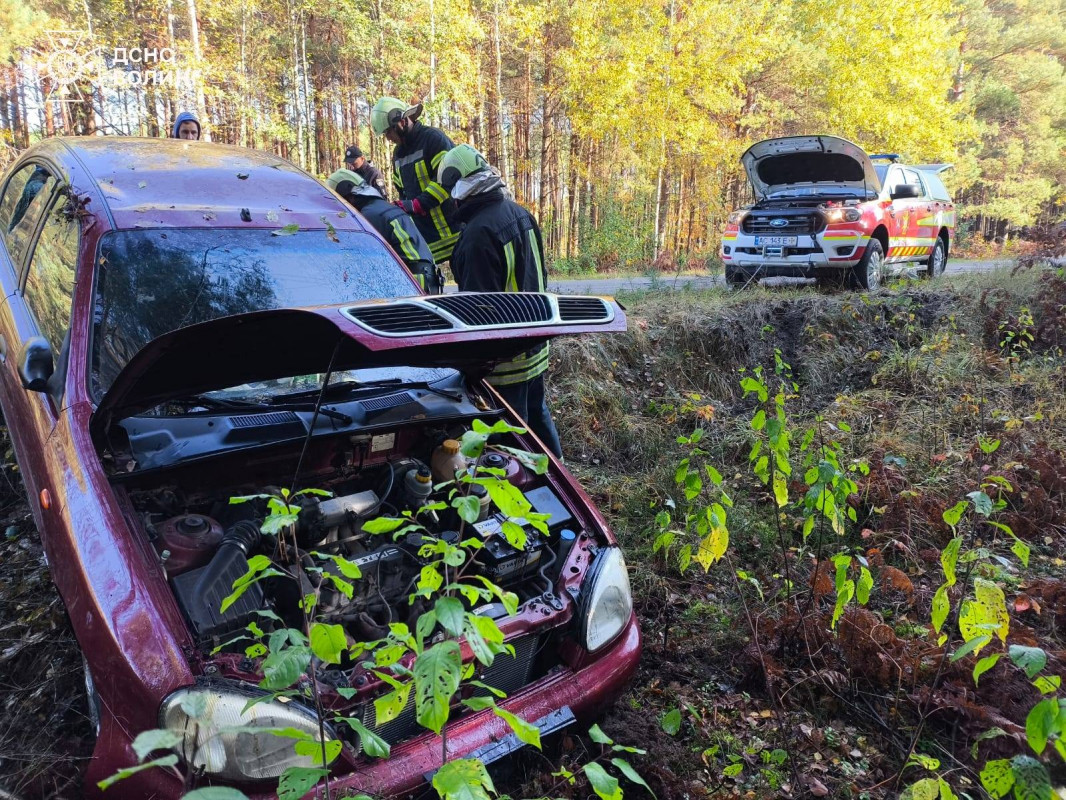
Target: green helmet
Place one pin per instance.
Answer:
(388, 111)
(458, 163)
(345, 182)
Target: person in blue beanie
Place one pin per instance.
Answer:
(186, 126)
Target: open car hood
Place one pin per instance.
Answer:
(805, 163)
(468, 331)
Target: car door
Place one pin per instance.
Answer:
(41, 308)
(924, 230)
(26, 195)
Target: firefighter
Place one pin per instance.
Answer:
(500, 250)
(392, 223)
(419, 149)
(364, 167)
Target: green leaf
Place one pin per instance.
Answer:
(982, 503)
(733, 770)
(924, 761)
(597, 735)
(373, 745)
(713, 475)
(954, 514)
(515, 534)
(538, 462)
(1031, 779)
(713, 546)
(997, 777)
(969, 647)
(297, 781)
(671, 721)
(383, 524)
(925, 789)
(780, 488)
(864, 585)
(1047, 684)
(288, 230)
(215, 793)
(626, 769)
(843, 598)
(986, 611)
(526, 732)
(758, 422)
(949, 558)
(156, 739)
(1041, 722)
(484, 637)
(463, 779)
(984, 665)
(468, 508)
(451, 614)
(328, 642)
(388, 706)
(437, 673)
(1029, 659)
(312, 749)
(603, 784)
(122, 774)
(281, 669)
(941, 606)
(1021, 550)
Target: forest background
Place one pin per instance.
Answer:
(618, 122)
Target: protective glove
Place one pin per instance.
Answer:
(410, 206)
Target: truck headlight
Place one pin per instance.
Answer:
(606, 603)
(833, 215)
(220, 738)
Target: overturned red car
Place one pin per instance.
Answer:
(170, 309)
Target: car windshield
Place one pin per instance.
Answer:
(150, 282)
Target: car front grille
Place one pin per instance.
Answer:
(795, 224)
(400, 318)
(583, 309)
(507, 673)
(499, 308)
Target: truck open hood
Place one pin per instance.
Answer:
(467, 331)
(805, 163)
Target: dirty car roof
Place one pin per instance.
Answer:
(148, 183)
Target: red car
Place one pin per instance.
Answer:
(824, 210)
(169, 308)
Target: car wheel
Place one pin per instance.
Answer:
(938, 261)
(868, 272)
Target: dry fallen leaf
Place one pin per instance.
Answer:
(816, 787)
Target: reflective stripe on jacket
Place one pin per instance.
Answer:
(414, 173)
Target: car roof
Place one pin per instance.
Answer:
(147, 183)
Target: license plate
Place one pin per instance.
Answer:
(776, 241)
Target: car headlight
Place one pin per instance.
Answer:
(736, 217)
(217, 735)
(842, 215)
(606, 603)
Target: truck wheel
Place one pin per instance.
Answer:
(867, 273)
(937, 262)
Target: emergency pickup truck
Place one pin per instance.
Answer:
(824, 210)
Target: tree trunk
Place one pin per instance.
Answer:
(198, 56)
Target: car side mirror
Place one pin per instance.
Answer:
(36, 364)
(906, 190)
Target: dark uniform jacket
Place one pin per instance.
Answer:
(414, 173)
(398, 229)
(373, 176)
(500, 250)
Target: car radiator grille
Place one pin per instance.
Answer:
(799, 224)
(506, 674)
(401, 318)
(583, 309)
(501, 308)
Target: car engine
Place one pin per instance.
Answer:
(204, 541)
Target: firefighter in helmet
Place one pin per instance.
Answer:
(417, 153)
(500, 250)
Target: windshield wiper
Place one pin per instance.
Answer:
(237, 404)
(350, 387)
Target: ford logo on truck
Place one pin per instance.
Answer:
(778, 223)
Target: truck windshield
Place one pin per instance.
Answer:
(150, 282)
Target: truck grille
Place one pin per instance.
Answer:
(501, 308)
(583, 309)
(506, 674)
(796, 224)
(400, 318)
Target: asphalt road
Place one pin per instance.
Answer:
(610, 286)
